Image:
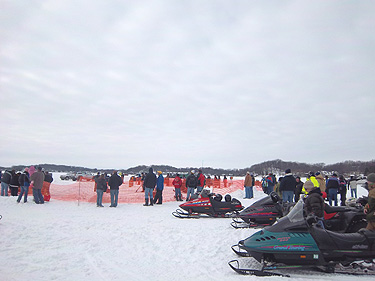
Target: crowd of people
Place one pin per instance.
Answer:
(18, 183)
(290, 188)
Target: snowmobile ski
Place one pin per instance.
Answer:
(236, 248)
(255, 272)
(237, 224)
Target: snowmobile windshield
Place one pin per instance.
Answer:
(296, 214)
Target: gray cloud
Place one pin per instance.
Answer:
(229, 84)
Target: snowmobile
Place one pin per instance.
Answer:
(209, 205)
(268, 209)
(262, 213)
(296, 241)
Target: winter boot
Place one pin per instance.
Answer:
(146, 202)
(151, 202)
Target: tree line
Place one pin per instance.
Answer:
(273, 166)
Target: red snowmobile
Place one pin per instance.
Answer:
(209, 205)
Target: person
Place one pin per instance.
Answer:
(352, 184)
(14, 184)
(114, 183)
(5, 181)
(36, 180)
(342, 190)
(370, 206)
(24, 181)
(321, 181)
(277, 187)
(298, 189)
(201, 181)
(177, 183)
(271, 182)
(248, 184)
(311, 177)
(101, 187)
(149, 184)
(48, 177)
(287, 186)
(191, 184)
(159, 188)
(332, 186)
(264, 184)
(314, 202)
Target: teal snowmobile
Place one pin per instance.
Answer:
(296, 241)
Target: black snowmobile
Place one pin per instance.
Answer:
(267, 210)
(209, 205)
(262, 213)
(296, 241)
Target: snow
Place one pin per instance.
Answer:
(66, 241)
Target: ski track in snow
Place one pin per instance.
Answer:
(66, 241)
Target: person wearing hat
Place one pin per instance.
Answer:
(370, 206)
(201, 181)
(314, 202)
(288, 186)
(36, 181)
(24, 181)
(149, 184)
(191, 184)
(114, 183)
(177, 183)
(159, 189)
(248, 184)
(332, 186)
(322, 182)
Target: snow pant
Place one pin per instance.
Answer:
(177, 194)
(343, 197)
(332, 195)
(199, 189)
(288, 196)
(297, 197)
(190, 192)
(24, 191)
(4, 189)
(158, 197)
(13, 190)
(99, 197)
(38, 197)
(249, 192)
(353, 192)
(114, 197)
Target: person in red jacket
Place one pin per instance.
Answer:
(177, 183)
(201, 180)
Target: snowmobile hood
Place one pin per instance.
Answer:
(270, 242)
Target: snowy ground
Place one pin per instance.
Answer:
(66, 241)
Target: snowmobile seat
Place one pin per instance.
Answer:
(218, 197)
(228, 198)
(335, 209)
(368, 233)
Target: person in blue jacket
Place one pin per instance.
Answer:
(159, 189)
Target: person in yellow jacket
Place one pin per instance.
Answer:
(310, 177)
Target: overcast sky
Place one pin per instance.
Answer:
(223, 84)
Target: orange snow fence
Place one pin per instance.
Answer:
(130, 191)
